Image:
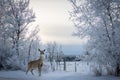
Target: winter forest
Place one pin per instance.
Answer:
(23, 55)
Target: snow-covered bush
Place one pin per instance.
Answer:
(46, 67)
(110, 70)
(12, 63)
(96, 69)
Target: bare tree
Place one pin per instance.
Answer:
(59, 56)
(51, 50)
(55, 54)
(33, 36)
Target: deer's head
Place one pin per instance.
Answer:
(41, 51)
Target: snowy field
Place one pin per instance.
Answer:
(81, 74)
(81, 67)
(57, 75)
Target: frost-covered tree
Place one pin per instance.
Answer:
(99, 21)
(55, 54)
(33, 41)
(59, 56)
(19, 17)
(15, 35)
(4, 39)
(51, 50)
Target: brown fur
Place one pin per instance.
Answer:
(36, 64)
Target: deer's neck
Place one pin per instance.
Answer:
(41, 57)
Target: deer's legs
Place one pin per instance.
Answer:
(40, 69)
(32, 71)
(27, 70)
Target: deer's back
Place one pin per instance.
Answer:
(35, 63)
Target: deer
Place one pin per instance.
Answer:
(36, 63)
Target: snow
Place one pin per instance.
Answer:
(57, 75)
(83, 73)
(70, 66)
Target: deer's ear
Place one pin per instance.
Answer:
(44, 50)
(39, 50)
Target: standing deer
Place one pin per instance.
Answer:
(36, 63)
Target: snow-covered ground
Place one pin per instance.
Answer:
(83, 73)
(57, 75)
(81, 66)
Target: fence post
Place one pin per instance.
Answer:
(64, 65)
(75, 66)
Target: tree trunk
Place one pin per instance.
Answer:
(29, 50)
(117, 70)
(17, 47)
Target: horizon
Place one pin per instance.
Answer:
(55, 24)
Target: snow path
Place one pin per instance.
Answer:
(19, 75)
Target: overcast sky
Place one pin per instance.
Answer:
(53, 18)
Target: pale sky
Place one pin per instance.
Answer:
(53, 18)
